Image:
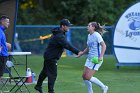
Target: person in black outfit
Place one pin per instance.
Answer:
(53, 52)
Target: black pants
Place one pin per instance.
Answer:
(3, 60)
(49, 70)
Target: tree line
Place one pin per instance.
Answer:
(79, 12)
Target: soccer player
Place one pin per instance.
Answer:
(96, 48)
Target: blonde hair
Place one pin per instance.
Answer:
(100, 29)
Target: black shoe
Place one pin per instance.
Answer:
(51, 92)
(39, 89)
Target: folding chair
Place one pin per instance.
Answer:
(18, 80)
(4, 82)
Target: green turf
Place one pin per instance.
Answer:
(69, 80)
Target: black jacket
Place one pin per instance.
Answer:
(57, 44)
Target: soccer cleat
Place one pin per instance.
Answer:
(105, 89)
(39, 89)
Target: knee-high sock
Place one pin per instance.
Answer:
(97, 82)
(89, 86)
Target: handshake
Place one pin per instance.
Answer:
(80, 54)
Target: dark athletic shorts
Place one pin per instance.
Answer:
(3, 60)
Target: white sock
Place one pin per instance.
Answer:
(97, 82)
(89, 86)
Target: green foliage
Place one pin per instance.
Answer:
(30, 12)
(80, 12)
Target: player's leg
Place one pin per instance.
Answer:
(88, 84)
(89, 73)
(3, 61)
(96, 80)
(52, 75)
(42, 76)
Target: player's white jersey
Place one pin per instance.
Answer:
(93, 44)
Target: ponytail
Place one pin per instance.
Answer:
(100, 29)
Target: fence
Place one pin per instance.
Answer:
(29, 37)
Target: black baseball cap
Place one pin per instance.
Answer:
(65, 22)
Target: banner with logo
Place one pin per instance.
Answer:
(127, 36)
(9, 8)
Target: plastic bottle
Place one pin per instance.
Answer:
(33, 77)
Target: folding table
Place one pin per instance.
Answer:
(17, 79)
(12, 54)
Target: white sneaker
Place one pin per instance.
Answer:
(105, 89)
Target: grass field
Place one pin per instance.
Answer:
(69, 80)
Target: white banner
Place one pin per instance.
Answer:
(127, 36)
